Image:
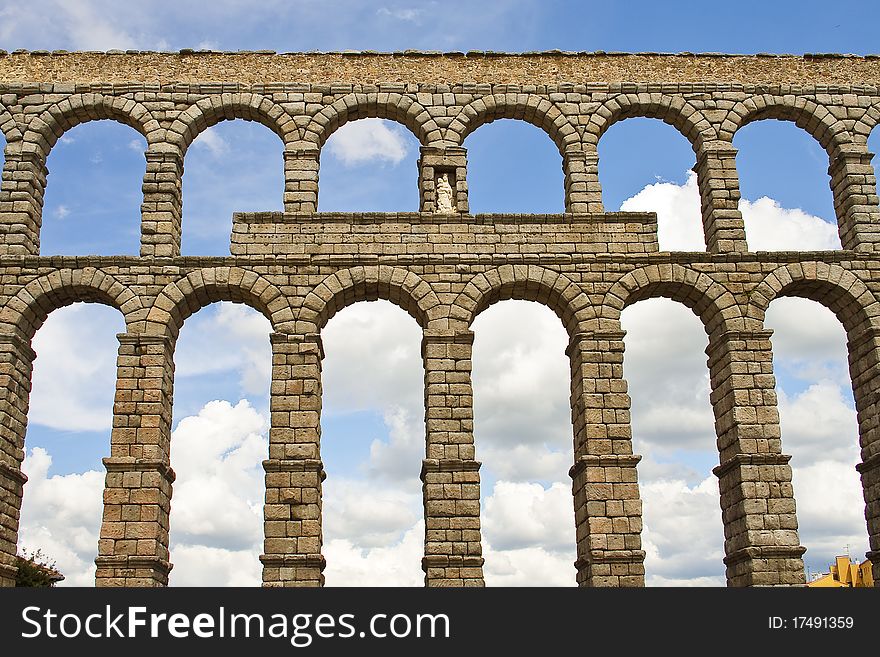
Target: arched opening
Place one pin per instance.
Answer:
(514, 167)
(68, 433)
(786, 200)
(874, 147)
(673, 431)
(819, 430)
(523, 436)
(92, 203)
(369, 165)
(645, 165)
(219, 441)
(233, 166)
(372, 446)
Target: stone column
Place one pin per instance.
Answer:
(294, 471)
(864, 365)
(855, 198)
(437, 160)
(583, 193)
(757, 503)
(21, 201)
(607, 507)
(450, 473)
(162, 206)
(301, 166)
(719, 198)
(133, 548)
(16, 366)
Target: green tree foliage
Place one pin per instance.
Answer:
(35, 569)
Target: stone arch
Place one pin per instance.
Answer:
(386, 105)
(347, 286)
(43, 131)
(836, 288)
(180, 299)
(709, 300)
(816, 119)
(533, 109)
(527, 283)
(248, 106)
(8, 125)
(27, 310)
(673, 110)
(862, 128)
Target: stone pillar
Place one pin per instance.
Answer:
(583, 193)
(294, 471)
(719, 198)
(16, 366)
(21, 201)
(757, 502)
(855, 198)
(864, 365)
(607, 507)
(301, 166)
(162, 206)
(450, 473)
(133, 548)
(437, 160)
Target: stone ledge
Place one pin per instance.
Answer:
(610, 556)
(294, 465)
(451, 561)
(293, 560)
(127, 464)
(133, 561)
(449, 465)
(765, 552)
(869, 464)
(603, 461)
(14, 473)
(750, 459)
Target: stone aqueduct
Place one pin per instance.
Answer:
(300, 267)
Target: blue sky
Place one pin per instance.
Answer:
(372, 434)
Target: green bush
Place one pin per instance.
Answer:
(35, 569)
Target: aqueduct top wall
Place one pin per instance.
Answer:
(444, 266)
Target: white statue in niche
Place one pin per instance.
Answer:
(444, 194)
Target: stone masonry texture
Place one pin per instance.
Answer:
(299, 267)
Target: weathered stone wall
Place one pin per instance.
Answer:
(300, 267)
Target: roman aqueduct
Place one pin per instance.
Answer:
(443, 266)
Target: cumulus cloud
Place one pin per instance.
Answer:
(219, 492)
(769, 227)
(212, 141)
(61, 516)
(397, 564)
(75, 371)
(368, 140)
(228, 337)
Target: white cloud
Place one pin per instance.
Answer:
(212, 141)
(408, 14)
(683, 537)
(137, 145)
(373, 360)
(398, 564)
(227, 337)
(367, 514)
(219, 492)
(61, 516)
(769, 227)
(61, 212)
(522, 515)
(75, 371)
(368, 140)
